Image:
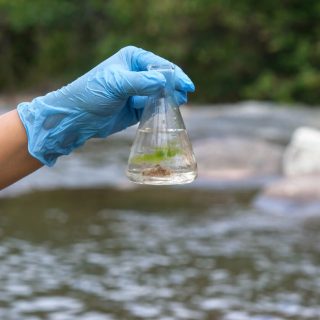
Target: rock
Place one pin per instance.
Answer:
(236, 161)
(303, 188)
(299, 190)
(262, 120)
(303, 153)
(291, 195)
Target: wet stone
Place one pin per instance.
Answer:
(291, 195)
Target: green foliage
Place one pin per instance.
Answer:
(233, 50)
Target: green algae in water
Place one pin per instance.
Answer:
(159, 155)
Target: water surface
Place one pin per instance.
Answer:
(150, 254)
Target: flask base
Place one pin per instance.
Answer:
(170, 179)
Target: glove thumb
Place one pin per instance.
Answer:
(143, 83)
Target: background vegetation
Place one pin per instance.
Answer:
(232, 49)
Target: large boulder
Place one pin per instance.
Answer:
(237, 162)
(299, 190)
(291, 195)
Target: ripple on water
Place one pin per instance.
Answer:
(48, 304)
(117, 264)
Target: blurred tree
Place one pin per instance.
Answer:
(232, 49)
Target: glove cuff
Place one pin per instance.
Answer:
(51, 131)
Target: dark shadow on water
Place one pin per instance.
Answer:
(142, 198)
(62, 214)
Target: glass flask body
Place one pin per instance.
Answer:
(162, 153)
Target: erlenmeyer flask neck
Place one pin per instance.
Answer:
(162, 111)
(168, 71)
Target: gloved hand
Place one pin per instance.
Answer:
(105, 100)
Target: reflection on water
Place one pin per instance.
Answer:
(141, 254)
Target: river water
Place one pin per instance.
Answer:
(91, 246)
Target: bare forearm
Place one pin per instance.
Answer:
(15, 160)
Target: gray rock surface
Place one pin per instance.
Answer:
(299, 189)
(237, 161)
(250, 119)
(291, 195)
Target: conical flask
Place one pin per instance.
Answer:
(162, 153)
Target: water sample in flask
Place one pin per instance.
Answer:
(162, 153)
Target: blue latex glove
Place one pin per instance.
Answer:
(107, 99)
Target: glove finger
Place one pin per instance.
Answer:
(138, 102)
(141, 59)
(182, 81)
(181, 97)
(144, 83)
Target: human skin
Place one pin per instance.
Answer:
(15, 160)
